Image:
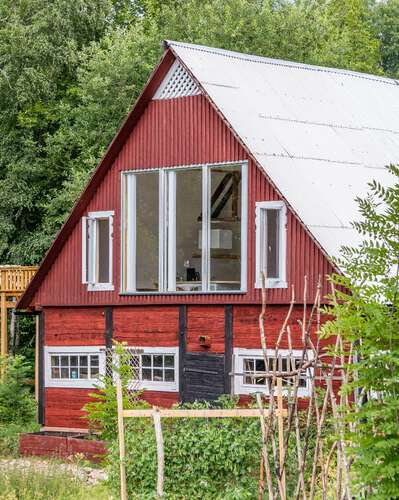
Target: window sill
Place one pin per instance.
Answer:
(73, 383)
(100, 287)
(219, 292)
(154, 386)
(249, 389)
(271, 283)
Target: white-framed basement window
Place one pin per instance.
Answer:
(271, 243)
(249, 370)
(73, 366)
(97, 250)
(157, 368)
(185, 229)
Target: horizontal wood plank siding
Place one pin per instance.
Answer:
(208, 321)
(147, 326)
(183, 131)
(74, 326)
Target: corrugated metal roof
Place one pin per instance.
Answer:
(320, 134)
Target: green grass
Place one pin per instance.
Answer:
(31, 484)
(9, 437)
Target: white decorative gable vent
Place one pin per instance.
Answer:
(177, 83)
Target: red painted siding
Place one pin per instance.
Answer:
(160, 398)
(176, 132)
(147, 326)
(70, 327)
(205, 320)
(63, 407)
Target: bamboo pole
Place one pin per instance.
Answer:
(37, 358)
(281, 435)
(121, 437)
(203, 413)
(160, 451)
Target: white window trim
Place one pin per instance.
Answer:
(159, 386)
(88, 273)
(241, 388)
(73, 350)
(166, 258)
(271, 282)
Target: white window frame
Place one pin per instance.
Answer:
(73, 351)
(241, 353)
(260, 222)
(89, 225)
(157, 385)
(167, 230)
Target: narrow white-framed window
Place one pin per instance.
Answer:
(97, 250)
(156, 368)
(271, 243)
(77, 366)
(250, 370)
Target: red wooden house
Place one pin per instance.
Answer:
(227, 164)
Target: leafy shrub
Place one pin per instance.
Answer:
(102, 412)
(17, 404)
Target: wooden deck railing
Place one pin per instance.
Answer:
(13, 282)
(15, 279)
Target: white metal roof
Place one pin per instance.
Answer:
(320, 134)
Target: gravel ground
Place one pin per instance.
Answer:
(85, 474)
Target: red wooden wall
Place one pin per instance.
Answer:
(175, 132)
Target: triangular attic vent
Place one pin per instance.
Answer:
(177, 83)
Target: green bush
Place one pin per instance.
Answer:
(17, 405)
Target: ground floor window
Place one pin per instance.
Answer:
(250, 370)
(74, 366)
(155, 368)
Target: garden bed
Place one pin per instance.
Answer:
(61, 445)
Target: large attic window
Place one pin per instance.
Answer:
(177, 83)
(184, 229)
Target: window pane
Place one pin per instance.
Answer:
(158, 375)
(146, 360)
(147, 374)
(169, 361)
(188, 229)
(83, 372)
(94, 360)
(55, 373)
(260, 365)
(74, 373)
(55, 361)
(225, 231)
(158, 361)
(64, 372)
(249, 365)
(272, 243)
(169, 375)
(64, 360)
(94, 371)
(83, 360)
(73, 361)
(147, 231)
(103, 236)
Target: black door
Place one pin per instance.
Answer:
(203, 377)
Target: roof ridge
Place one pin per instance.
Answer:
(281, 62)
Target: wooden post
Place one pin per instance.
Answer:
(3, 326)
(37, 358)
(281, 433)
(160, 451)
(121, 437)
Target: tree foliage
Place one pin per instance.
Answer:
(366, 311)
(70, 71)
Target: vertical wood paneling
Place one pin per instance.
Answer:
(175, 132)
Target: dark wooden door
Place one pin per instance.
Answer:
(203, 377)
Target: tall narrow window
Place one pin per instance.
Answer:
(97, 229)
(271, 243)
(225, 228)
